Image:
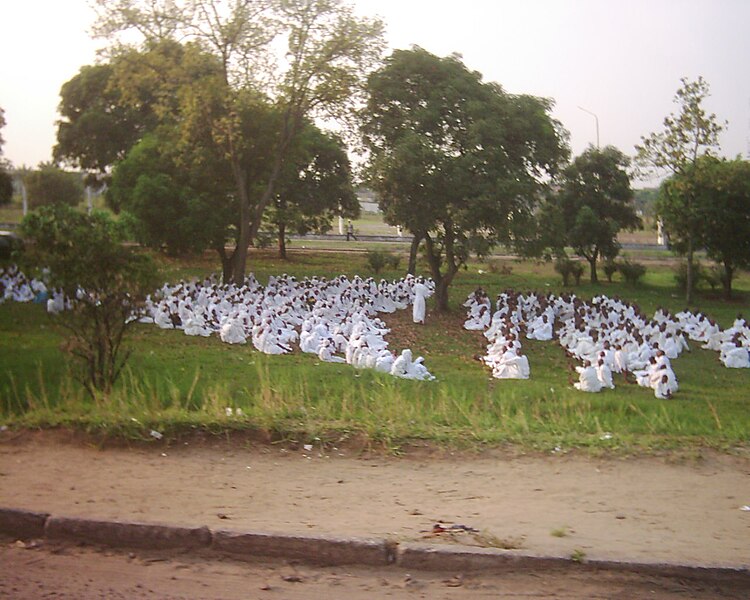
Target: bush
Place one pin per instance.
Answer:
(631, 271)
(377, 259)
(52, 186)
(105, 282)
(610, 268)
(567, 268)
(500, 267)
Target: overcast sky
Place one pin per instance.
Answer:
(620, 60)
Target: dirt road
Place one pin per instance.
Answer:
(645, 509)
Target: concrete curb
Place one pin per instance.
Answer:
(127, 534)
(327, 550)
(331, 550)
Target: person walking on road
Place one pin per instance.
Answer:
(350, 231)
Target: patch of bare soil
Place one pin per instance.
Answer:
(36, 571)
(642, 509)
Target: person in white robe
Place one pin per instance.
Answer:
(588, 380)
(421, 291)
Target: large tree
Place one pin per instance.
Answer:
(690, 134)
(596, 202)
(720, 194)
(456, 161)
(97, 128)
(328, 52)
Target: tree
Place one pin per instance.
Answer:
(97, 128)
(50, 185)
(596, 202)
(173, 209)
(105, 283)
(6, 180)
(687, 136)
(720, 192)
(329, 50)
(316, 186)
(457, 162)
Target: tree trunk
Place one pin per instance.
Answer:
(726, 281)
(592, 265)
(415, 241)
(689, 273)
(227, 264)
(239, 258)
(282, 240)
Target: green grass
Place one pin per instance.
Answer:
(175, 383)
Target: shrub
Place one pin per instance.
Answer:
(376, 260)
(500, 267)
(567, 268)
(52, 186)
(631, 271)
(105, 282)
(610, 268)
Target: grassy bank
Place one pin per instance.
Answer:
(175, 382)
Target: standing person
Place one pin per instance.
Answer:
(350, 231)
(421, 291)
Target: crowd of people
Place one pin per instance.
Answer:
(337, 320)
(603, 335)
(334, 319)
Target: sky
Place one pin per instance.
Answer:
(622, 61)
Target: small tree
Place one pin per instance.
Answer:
(104, 281)
(685, 137)
(720, 192)
(51, 185)
(596, 202)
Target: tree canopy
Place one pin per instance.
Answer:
(49, 184)
(595, 202)
(328, 52)
(456, 161)
(690, 134)
(719, 191)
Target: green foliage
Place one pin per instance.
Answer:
(169, 212)
(105, 282)
(456, 161)
(378, 259)
(49, 185)
(686, 137)
(631, 271)
(610, 268)
(97, 127)
(177, 383)
(315, 187)
(595, 203)
(568, 268)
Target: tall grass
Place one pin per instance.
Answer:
(175, 383)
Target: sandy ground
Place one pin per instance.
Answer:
(645, 509)
(31, 572)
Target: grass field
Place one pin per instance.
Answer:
(176, 383)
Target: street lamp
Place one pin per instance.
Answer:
(597, 124)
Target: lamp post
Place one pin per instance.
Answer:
(597, 124)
